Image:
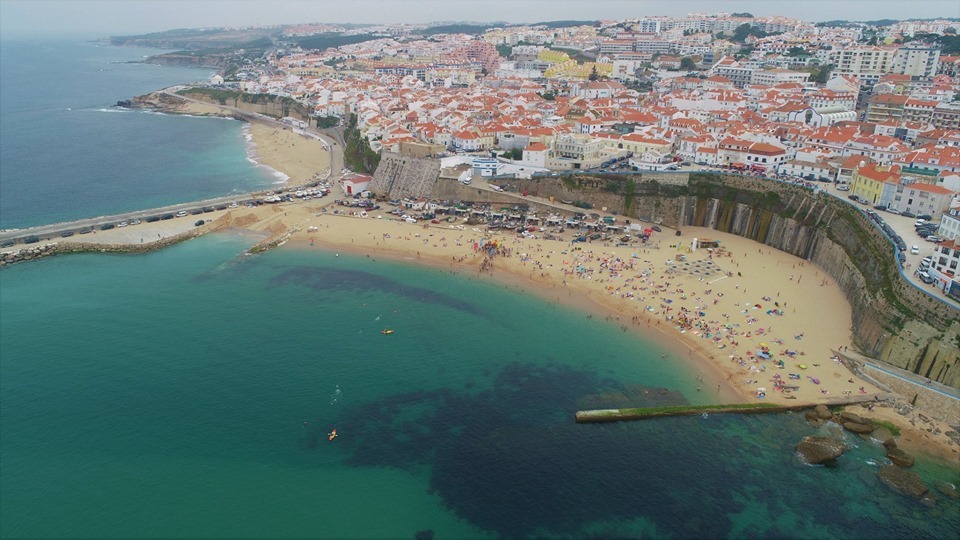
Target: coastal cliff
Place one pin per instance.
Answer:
(892, 319)
(241, 103)
(217, 61)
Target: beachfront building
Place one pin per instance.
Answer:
(535, 155)
(484, 166)
(575, 151)
(950, 223)
(871, 181)
(921, 198)
(810, 170)
(943, 268)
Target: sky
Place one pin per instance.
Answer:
(102, 18)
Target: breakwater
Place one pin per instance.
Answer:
(642, 413)
(59, 248)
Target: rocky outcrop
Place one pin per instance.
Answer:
(858, 428)
(820, 450)
(854, 417)
(900, 458)
(947, 489)
(902, 481)
(823, 412)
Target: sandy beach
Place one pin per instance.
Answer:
(749, 323)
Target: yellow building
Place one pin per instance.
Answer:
(868, 181)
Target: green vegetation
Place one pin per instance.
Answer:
(687, 64)
(629, 192)
(949, 43)
(470, 29)
(504, 50)
(891, 427)
(516, 153)
(742, 15)
(357, 155)
(220, 96)
(324, 122)
(327, 40)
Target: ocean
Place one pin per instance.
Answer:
(190, 392)
(68, 153)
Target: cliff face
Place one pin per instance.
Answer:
(893, 320)
(216, 61)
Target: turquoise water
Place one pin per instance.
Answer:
(166, 395)
(69, 154)
(189, 392)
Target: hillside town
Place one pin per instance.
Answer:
(873, 111)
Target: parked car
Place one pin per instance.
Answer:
(926, 217)
(914, 250)
(106, 226)
(893, 211)
(934, 238)
(198, 223)
(843, 187)
(925, 277)
(908, 214)
(182, 213)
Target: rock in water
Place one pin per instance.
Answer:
(946, 488)
(857, 427)
(902, 481)
(900, 458)
(853, 417)
(824, 412)
(816, 450)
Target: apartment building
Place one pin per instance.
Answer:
(885, 108)
(866, 63)
(773, 77)
(919, 61)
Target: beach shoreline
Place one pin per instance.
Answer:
(638, 288)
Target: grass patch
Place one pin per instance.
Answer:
(891, 427)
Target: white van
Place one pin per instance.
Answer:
(914, 250)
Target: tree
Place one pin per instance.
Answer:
(741, 33)
(687, 64)
(504, 50)
(796, 51)
(743, 15)
(822, 74)
(593, 74)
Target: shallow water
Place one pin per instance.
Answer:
(166, 395)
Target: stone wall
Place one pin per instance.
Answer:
(405, 176)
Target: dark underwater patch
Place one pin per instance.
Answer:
(332, 279)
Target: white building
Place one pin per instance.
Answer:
(916, 61)
(866, 63)
(486, 167)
